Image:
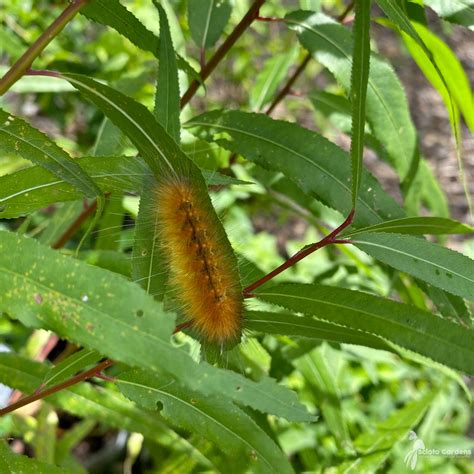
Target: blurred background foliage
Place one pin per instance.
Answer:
(353, 390)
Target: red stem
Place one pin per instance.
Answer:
(71, 230)
(49, 391)
(223, 49)
(93, 372)
(22, 65)
(329, 239)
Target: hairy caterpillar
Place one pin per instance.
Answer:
(202, 267)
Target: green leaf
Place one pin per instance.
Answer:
(85, 400)
(418, 225)
(449, 305)
(62, 218)
(319, 368)
(148, 268)
(44, 440)
(334, 107)
(451, 81)
(17, 463)
(215, 418)
(437, 265)
(167, 90)
(375, 445)
(34, 188)
(286, 324)
(455, 11)
(319, 167)
(359, 81)
(112, 13)
(19, 138)
(404, 325)
(105, 312)
(387, 108)
(71, 438)
(426, 190)
(70, 366)
(207, 20)
(110, 224)
(271, 76)
(158, 149)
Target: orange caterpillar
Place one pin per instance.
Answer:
(203, 270)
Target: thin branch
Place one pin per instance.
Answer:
(292, 79)
(66, 384)
(74, 227)
(95, 371)
(329, 239)
(289, 84)
(246, 21)
(23, 64)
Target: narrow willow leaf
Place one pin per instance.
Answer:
(70, 366)
(286, 324)
(19, 138)
(105, 312)
(319, 368)
(167, 89)
(387, 108)
(437, 265)
(336, 108)
(110, 224)
(158, 149)
(451, 82)
(460, 12)
(425, 48)
(207, 20)
(18, 463)
(375, 445)
(71, 438)
(269, 79)
(112, 13)
(319, 167)
(407, 326)
(34, 188)
(104, 405)
(215, 418)
(449, 305)
(359, 81)
(44, 435)
(418, 225)
(148, 268)
(426, 190)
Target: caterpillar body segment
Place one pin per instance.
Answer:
(202, 266)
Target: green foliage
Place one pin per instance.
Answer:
(349, 350)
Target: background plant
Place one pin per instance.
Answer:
(345, 352)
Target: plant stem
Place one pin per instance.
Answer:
(71, 230)
(49, 391)
(289, 84)
(23, 64)
(246, 21)
(93, 372)
(329, 239)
